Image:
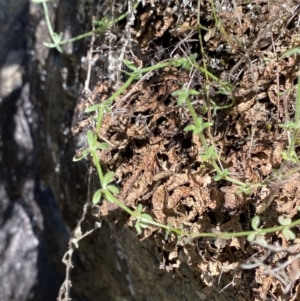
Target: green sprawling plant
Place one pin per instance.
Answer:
(109, 192)
(57, 39)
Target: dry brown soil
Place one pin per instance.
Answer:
(158, 164)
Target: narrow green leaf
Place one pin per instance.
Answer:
(210, 154)
(251, 237)
(80, 157)
(97, 196)
(113, 189)
(108, 177)
(139, 210)
(292, 156)
(288, 234)
(91, 138)
(106, 105)
(145, 218)
(225, 89)
(130, 65)
(109, 197)
(255, 222)
(138, 227)
(247, 191)
(190, 127)
(206, 125)
(57, 37)
(102, 145)
(289, 125)
(218, 178)
(49, 45)
(181, 95)
(41, 1)
(284, 221)
(92, 108)
(192, 92)
(177, 93)
(168, 231)
(290, 52)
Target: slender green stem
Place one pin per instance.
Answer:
(121, 90)
(98, 166)
(82, 36)
(192, 110)
(112, 98)
(219, 25)
(103, 26)
(46, 12)
(225, 235)
(122, 206)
